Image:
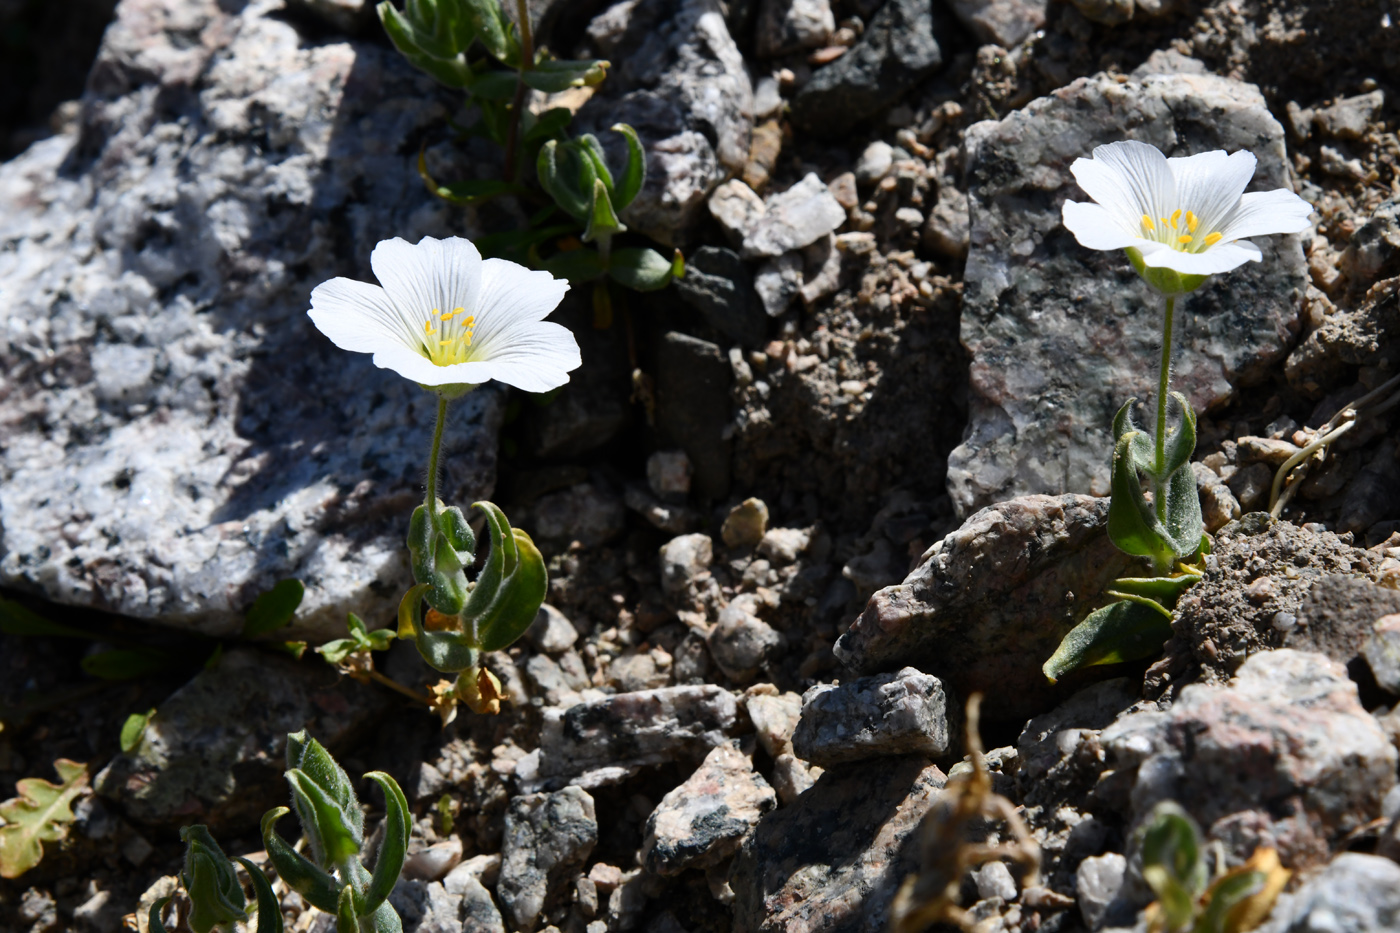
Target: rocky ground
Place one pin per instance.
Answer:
(797, 507)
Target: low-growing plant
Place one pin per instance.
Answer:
(41, 813)
(1179, 221)
(333, 879)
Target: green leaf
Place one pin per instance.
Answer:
(548, 125)
(347, 919)
(16, 619)
(602, 219)
(448, 652)
(642, 270)
(634, 174)
(1121, 631)
(593, 150)
(134, 728)
(394, 848)
(1185, 526)
(444, 811)
(1181, 434)
(125, 663)
(216, 897)
(1171, 861)
(555, 76)
(298, 872)
(269, 910)
(516, 242)
(1225, 895)
(493, 30)
(1163, 590)
(678, 264)
(41, 813)
(494, 86)
(1132, 525)
(434, 49)
(561, 171)
(154, 923)
(274, 609)
(439, 549)
(521, 588)
(576, 265)
(324, 799)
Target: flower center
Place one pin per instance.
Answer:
(447, 338)
(1180, 232)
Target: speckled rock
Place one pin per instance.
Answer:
(1002, 22)
(1348, 339)
(792, 25)
(678, 79)
(832, 860)
(741, 642)
(548, 838)
(1283, 756)
(1357, 893)
(774, 719)
(609, 739)
(156, 344)
(428, 907)
(214, 751)
(792, 219)
(991, 601)
(1382, 653)
(905, 713)
(1254, 590)
(1061, 335)
(705, 820)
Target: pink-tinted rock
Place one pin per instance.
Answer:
(705, 820)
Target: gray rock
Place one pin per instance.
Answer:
(1367, 335)
(1339, 618)
(874, 162)
(558, 682)
(874, 717)
(736, 208)
(683, 560)
(1356, 893)
(428, 907)
(157, 345)
(792, 25)
(1001, 22)
(1382, 653)
(896, 52)
(692, 407)
(1039, 418)
(774, 718)
(1041, 746)
(1374, 250)
(792, 219)
(680, 82)
(1108, 12)
(832, 859)
(1219, 506)
(994, 880)
(989, 630)
(741, 642)
(432, 863)
(479, 911)
(608, 739)
(718, 286)
(1318, 763)
(548, 838)
(1097, 882)
(778, 282)
(1350, 117)
(101, 913)
(587, 513)
(669, 472)
(948, 230)
(551, 632)
(213, 753)
(705, 820)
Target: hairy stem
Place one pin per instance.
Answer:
(527, 61)
(1163, 385)
(431, 500)
(400, 688)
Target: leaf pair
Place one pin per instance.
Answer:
(361, 639)
(1169, 527)
(435, 35)
(501, 605)
(575, 174)
(440, 547)
(1173, 865)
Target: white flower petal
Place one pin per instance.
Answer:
(510, 295)
(432, 274)
(1264, 212)
(1095, 227)
(1222, 257)
(539, 358)
(356, 316)
(1128, 178)
(1210, 184)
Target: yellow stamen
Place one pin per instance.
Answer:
(1183, 239)
(1213, 239)
(1176, 215)
(468, 338)
(1192, 221)
(443, 343)
(1147, 221)
(428, 328)
(1165, 221)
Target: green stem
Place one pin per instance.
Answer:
(431, 500)
(1163, 385)
(527, 62)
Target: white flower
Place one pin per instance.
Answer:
(447, 318)
(1188, 215)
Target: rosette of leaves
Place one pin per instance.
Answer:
(333, 878)
(464, 619)
(1188, 899)
(575, 174)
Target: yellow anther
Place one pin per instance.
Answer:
(428, 328)
(471, 320)
(1176, 215)
(1147, 221)
(1183, 239)
(1213, 239)
(1165, 221)
(443, 343)
(1192, 221)
(467, 337)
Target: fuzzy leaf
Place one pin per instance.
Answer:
(434, 48)
(642, 270)
(593, 150)
(298, 872)
(1172, 863)
(1132, 525)
(634, 174)
(493, 30)
(1121, 631)
(41, 813)
(394, 848)
(520, 600)
(602, 219)
(576, 265)
(1163, 590)
(269, 909)
(347, 919)
(1181, 436)
(548, 125)
(273, 609)
(567, 177)
(153, 921)
(216, 897)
